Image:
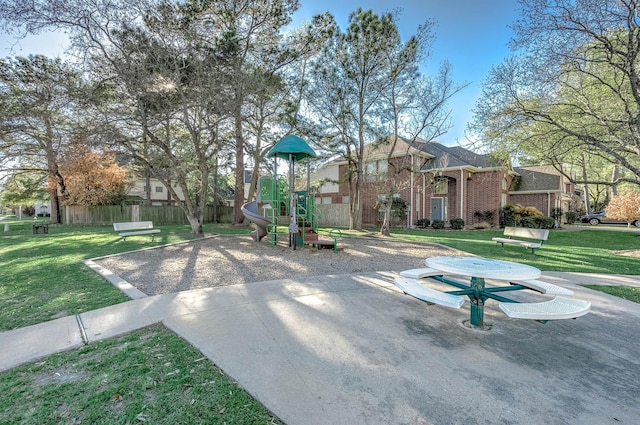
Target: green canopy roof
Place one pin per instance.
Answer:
(292, 145)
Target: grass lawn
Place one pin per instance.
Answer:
(149, 376)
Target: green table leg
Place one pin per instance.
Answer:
(477, 302)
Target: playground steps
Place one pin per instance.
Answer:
(323, 244)
(311, 238)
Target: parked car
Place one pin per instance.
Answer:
(601, 218)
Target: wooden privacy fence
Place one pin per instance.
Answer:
(109, 214)
(334, 215)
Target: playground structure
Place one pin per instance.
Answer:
(280, 202)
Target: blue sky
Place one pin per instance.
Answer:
(471, 34)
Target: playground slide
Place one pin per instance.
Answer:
(250, 211)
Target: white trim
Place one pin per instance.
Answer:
(462, 182)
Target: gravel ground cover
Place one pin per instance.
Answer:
(231, 259)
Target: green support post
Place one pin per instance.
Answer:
(477, 302)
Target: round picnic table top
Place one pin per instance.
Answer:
(485, 268)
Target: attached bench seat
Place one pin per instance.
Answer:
(133, 228)
(421, 273)
(556, 309)
(540, 235)
(544, 287)
(412, 287)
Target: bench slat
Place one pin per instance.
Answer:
(544, 287)
(133, 225)
(420, 273)
(133, 228)
(412, 287)
(139, 232)
(518, 242)
(526, 232)
(556, 309)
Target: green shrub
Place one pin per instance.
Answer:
(423, 223)
(571, 216)
(538, 222)
(508, 216)
(437, 224)
(484, 216)
(546, 222)
(457, 223)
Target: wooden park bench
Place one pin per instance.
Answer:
(537, 235)
(133, 228)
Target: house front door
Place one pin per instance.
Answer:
(437, 209)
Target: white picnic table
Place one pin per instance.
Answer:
(477, 269)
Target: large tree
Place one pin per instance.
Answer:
(345, 94)
(180, 73)
(417, 113)
(572, 88)
(164, 91)
(39, 103)
(372, 89)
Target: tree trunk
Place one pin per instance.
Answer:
(385, 229)
(614, 180)
(355, 203)
(55, 213)
(587, 202)
(196, 224)
(238, 198)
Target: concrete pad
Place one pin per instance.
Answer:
(354, 349)
(179, 303)
(375, 355)
(34, 342)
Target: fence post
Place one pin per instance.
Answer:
(135, 212)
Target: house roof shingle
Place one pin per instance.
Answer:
(536, 179)
(451, 157)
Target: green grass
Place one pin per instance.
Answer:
(627, 292)
(587, 251)
(149, 376)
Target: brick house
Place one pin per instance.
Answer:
(440, 182)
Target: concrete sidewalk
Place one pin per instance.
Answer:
(353, 349)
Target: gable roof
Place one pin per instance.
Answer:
(536, 178)
(437, 156)
(451, 157)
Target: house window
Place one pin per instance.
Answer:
(326, 200)
(441, 186)
(376, 171)
(247, 176)
(382, 170)
(345, 199)
(159, 189)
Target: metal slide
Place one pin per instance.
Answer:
(250, 211)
